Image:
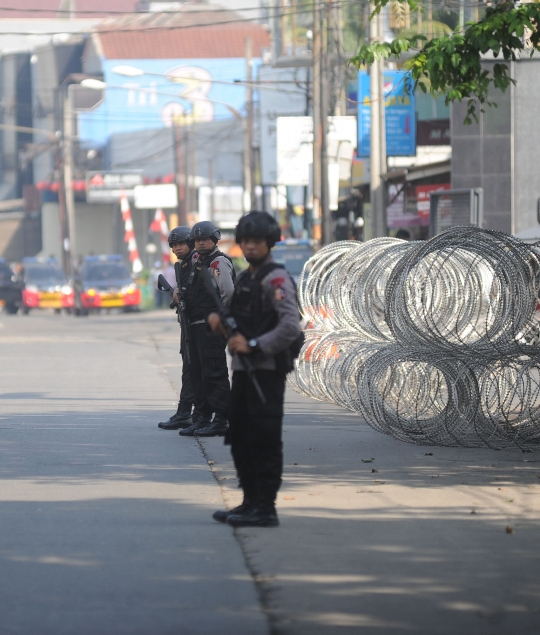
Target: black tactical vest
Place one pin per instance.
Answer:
(249, 308)
(199, 304)
(182, 269)
(255, 315)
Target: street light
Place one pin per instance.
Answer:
(128, 71)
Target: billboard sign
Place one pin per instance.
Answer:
(408, 205)
(295, 147)
(400, 114)
(108, 187)
(158, 196)
(289, 100)
(189, 91)
(223, 205)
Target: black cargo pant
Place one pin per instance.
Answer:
(187, 398)
(208, 372)
(255, 434)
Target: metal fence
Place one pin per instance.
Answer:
(450, 208)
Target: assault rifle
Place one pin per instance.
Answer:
(163, 285)
(231, 328)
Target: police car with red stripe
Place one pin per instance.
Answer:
(45, 285)
(104, 282)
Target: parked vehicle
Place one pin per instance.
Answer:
(293, 253)
(104, 282)
(10, 289)
(45, 285)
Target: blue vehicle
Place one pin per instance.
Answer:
(104, 282)
(293, 254)
(10, 289)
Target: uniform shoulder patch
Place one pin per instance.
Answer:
(215, 266)
(278, 284)
(279, 294)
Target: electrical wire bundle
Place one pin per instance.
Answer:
(434, 343)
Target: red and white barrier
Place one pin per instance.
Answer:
(129, 236)
(159, 225)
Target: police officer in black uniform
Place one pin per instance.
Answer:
(180, 243)
(208, 367)
(266, 311)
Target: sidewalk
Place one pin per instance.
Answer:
(378, 536)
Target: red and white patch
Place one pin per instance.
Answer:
(279, 294)
(215, 266)
(277, 282)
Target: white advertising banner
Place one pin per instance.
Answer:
(158, 196)
(295, 147)
(282, 94)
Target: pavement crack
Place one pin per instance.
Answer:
(261, 581)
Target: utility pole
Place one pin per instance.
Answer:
(68, 173)
(283, 27)
(378, 136)
(336, 20)
(177, 161)
(193, 170)
(250, 201)
(66, 260)
(211, 184)
(317, 124)
(326, 220)
(186, 142)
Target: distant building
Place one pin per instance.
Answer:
(185, 64)
(191, 64)
(501, 153)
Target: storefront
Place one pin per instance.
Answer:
(407, 196)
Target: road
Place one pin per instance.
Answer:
(106, 520)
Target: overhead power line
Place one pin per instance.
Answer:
(69, 12)
(306, 9)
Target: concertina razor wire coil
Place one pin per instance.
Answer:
(433, 343)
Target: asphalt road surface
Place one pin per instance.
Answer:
(106, 521)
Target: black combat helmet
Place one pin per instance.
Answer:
(180, 234)
(205, 229)
(258, 225)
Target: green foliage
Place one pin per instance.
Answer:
(450, 18)
(438, 29)
(451, 64)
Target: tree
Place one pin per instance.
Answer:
(452, 64)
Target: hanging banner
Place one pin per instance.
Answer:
(400, 114)
(129, 236)
(159, 225)
(108, 187)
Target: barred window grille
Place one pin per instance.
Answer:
(454, 208)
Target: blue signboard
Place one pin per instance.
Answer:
(189, 91)
(399, 111)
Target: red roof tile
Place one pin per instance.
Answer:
(29, 8)
(192, 32)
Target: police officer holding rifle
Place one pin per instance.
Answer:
(264, 308)
(208, 361)
(180, 244)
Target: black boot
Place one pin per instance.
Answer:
(199, 422)
(261, 515)
(218, 428)
(180, 419)
(221, 515)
